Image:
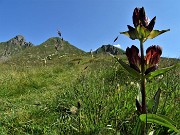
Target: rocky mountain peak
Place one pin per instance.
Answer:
(109, 49)
(19, 40)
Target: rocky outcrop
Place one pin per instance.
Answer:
(19, 40)
(109, 49)
(13, 46)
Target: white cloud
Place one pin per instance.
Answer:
(118, 45)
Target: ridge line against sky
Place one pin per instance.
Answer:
(88, 24)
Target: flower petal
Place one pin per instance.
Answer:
(143, 18)
(136, 17)
(153, 54)
(133, 57)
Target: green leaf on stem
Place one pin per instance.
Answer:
(132, 33)
(154, 102)
(158, 119)
(155, 33)
(156, 73)
(132, 72)
(142, 32)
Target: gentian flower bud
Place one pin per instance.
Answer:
(153, 54)
(143, 27)
(140, 18)
(152, 58)
(133, 57)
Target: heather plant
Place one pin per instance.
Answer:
(144, 68)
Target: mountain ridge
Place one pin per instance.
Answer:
(18, 44)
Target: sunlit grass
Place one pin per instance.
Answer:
(37, 99)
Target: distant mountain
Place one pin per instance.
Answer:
(54, 45)
(19, 50)
(109, 49)
(18, 47)
(13, 46)
(51, 49)
(58, 45)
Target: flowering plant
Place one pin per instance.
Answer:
(145, 67)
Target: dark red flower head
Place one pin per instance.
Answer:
(151, 59)
(153, 54)
(140, 18)
(133, 57)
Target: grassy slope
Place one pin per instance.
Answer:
(38, 99)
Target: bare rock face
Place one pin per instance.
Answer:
(19, 40)
(109, 49)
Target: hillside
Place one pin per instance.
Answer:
(49, 90)
(76, 94)
(51, 48)
(13, 47)
(17, 50)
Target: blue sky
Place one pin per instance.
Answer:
(88, 24)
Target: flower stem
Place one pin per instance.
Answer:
(143, 88)
(143, 92)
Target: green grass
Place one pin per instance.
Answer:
(37, 99)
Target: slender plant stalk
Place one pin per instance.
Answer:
(143, 92)
(143, 88)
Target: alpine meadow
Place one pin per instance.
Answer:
(56, 88)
